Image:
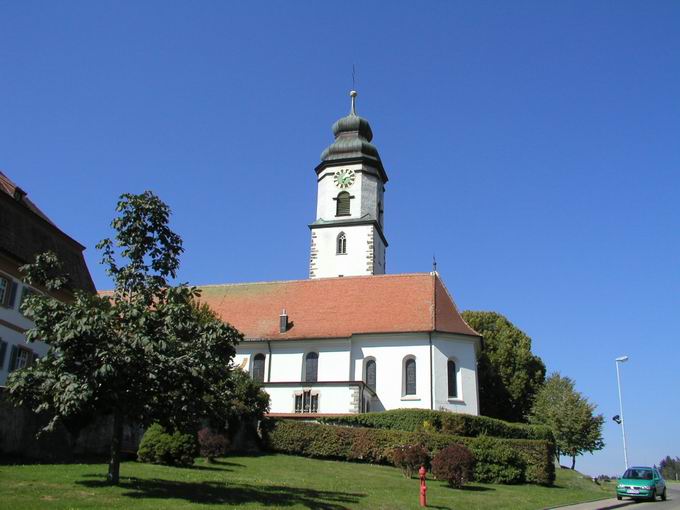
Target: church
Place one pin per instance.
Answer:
(351, 338)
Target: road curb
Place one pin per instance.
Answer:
(616, 504)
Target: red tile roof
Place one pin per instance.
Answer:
(338, 307)
(7, 186)
(26, 231)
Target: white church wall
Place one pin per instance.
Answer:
(370, 191)
(389, 352)
(461, 350)
(342, 360)
(334, 399)
(354, 262)
(287, 359)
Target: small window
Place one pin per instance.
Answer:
(258, 368)
(453, 383)
(20, 358)
(4, 290)
(342, 205)
(311, 367)
(410, 376)
(341, 244)
(8, 290)
(370, 374)
(306, 402)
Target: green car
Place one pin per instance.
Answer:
(641, 482)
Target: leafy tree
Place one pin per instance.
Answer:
(570, 417)
(509, 373)
(670, 468)
(145, 353)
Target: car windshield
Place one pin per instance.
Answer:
(638, 474)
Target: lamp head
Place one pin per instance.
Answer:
(622, 359)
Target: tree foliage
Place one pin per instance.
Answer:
(145, 353)
(670, 468)
(570, 416)
(509, 373)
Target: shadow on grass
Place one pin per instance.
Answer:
(217, 493)
(475, 488)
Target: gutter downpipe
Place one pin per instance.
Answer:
(269, 365)
(431, 374)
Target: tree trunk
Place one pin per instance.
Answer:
(573, 462)
(116, 440)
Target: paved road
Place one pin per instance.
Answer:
(672, 502)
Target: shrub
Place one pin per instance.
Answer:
(211, 444)
(376, 446)
(160, 447)
(455, 464)
(465, 425)
(409, 458)
(497, 462)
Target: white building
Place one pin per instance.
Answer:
(352, 339)
(25, 231)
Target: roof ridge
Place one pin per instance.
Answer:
(305, 280)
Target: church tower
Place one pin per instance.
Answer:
(347, 236)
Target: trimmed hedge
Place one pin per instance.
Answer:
(498, 460)
(465, 425)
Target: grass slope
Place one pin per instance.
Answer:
(272, 481)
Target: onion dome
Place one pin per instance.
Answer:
(353, 137)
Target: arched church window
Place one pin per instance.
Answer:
(311, 367)
(370, 374)
(341, 244)
(342, 205)
(258, 368)
(410, 377)
(451, 375)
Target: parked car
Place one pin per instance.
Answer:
(641, 482)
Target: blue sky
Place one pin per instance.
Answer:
(532, 146)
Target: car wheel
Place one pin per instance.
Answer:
(663, 494)
(653, 496)
(619, 497)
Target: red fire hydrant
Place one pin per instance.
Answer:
(423, 486)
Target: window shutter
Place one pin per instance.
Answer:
(13, 358)
(343, 204)
(12, 295)
(3, 351)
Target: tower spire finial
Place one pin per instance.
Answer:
(353, 94)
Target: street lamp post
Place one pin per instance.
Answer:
(619, 360)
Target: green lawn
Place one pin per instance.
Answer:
(272, 481)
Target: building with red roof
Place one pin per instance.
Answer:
(351, 338)
(25, 231)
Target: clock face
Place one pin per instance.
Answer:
(344, 178)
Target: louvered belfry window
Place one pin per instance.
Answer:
(370, 374)
(311, 367)
(410, 369)
(258, 368)
(342, 244)
(342, 206)
(453, 386)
